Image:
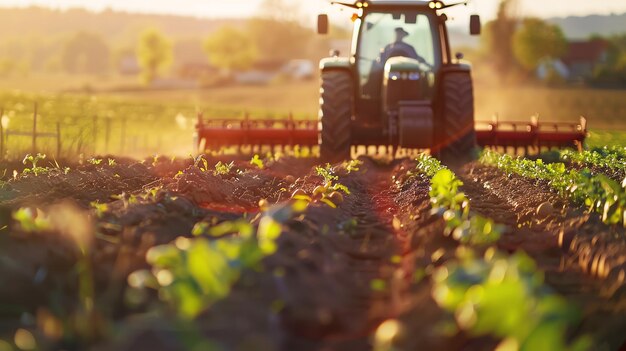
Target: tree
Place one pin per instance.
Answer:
(230, 48)
(277, 32)
(279, 40)
(86, 53)
(536, 41)
(498, 36)
(154, 54)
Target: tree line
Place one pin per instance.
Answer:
(276, 33)
(517, 47)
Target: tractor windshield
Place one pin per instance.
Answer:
(388, 34)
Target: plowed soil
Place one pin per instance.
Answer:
(316, 292)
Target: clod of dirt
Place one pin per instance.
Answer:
(290, 179)
(336, 197)
(545, 209)
(318, 190)
(298, 192)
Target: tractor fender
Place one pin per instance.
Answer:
(335, 63)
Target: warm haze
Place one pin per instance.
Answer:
(245, 8)
(220, 175)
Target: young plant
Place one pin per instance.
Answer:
(95, 161)
(506, 298)
(258, 162)
(192, 274)
(201, 163)
(352, 165)
(31, 221)
(330, 184)
(100, 209)
(223, 168)
(33, 160)
(454, 206)
(330, 191)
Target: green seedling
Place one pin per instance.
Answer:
(454, 206)
(100, 209)
(95, 161)
(201, 163)
(31, 221)
(33, 160)
(258, 162)
(192, 274)
(505, 297)
(223, 168)
(352, 165)
(330, 184)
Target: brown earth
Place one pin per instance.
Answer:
(316, 292)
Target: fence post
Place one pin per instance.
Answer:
(58, 140)
(123, 136)
(95, 134)
(35, 130)
(1, 135)
(107, 134)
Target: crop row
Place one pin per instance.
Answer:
(613, 158)
(596, 191)
(498, 294)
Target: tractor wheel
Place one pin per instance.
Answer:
(335, 116)
(459, 133)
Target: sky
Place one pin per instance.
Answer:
(244, 8)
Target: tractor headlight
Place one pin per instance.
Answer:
(404, 76)
(414, 76)
(435, 5)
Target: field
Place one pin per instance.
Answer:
(282, 252)
(103, 247)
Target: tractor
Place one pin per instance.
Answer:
(399, 88)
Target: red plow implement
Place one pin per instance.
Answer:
(254, 135)
(531, 136)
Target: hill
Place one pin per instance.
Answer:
(584, 27)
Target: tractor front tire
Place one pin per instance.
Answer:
(459, 133)
(335, 118)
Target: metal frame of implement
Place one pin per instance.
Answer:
(212, 134)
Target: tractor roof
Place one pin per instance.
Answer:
(400, 3)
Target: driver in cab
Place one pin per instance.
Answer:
(398, 48)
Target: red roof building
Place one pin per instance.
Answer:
(583, 56)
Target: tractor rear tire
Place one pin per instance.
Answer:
(336, 105)
(459, 133)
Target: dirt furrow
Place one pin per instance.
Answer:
(583, 259)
